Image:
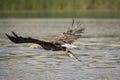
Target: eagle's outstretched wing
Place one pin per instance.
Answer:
(69, 36)
(18, 39)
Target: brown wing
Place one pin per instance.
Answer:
(69, 36)
(18, 39)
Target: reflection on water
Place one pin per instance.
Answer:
(99, 53)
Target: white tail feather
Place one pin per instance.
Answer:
(69, 46)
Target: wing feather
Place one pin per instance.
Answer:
(69, 36)
(18, 39)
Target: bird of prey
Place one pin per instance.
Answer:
(59, 43)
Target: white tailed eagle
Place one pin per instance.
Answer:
(57, 44)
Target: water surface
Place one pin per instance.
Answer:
(98, 49)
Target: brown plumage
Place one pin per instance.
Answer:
(67, 37)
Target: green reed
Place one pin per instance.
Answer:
(58, 4)
(59, 8)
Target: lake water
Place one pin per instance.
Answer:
(98, 49)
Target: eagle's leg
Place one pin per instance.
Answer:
(70, 54)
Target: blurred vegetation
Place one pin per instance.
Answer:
(58, 4)
(62, 14)
(59, 8)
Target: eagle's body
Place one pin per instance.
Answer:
(56, 44)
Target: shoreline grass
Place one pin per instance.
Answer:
(59, 4)
(61, 14)
(59, 8)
